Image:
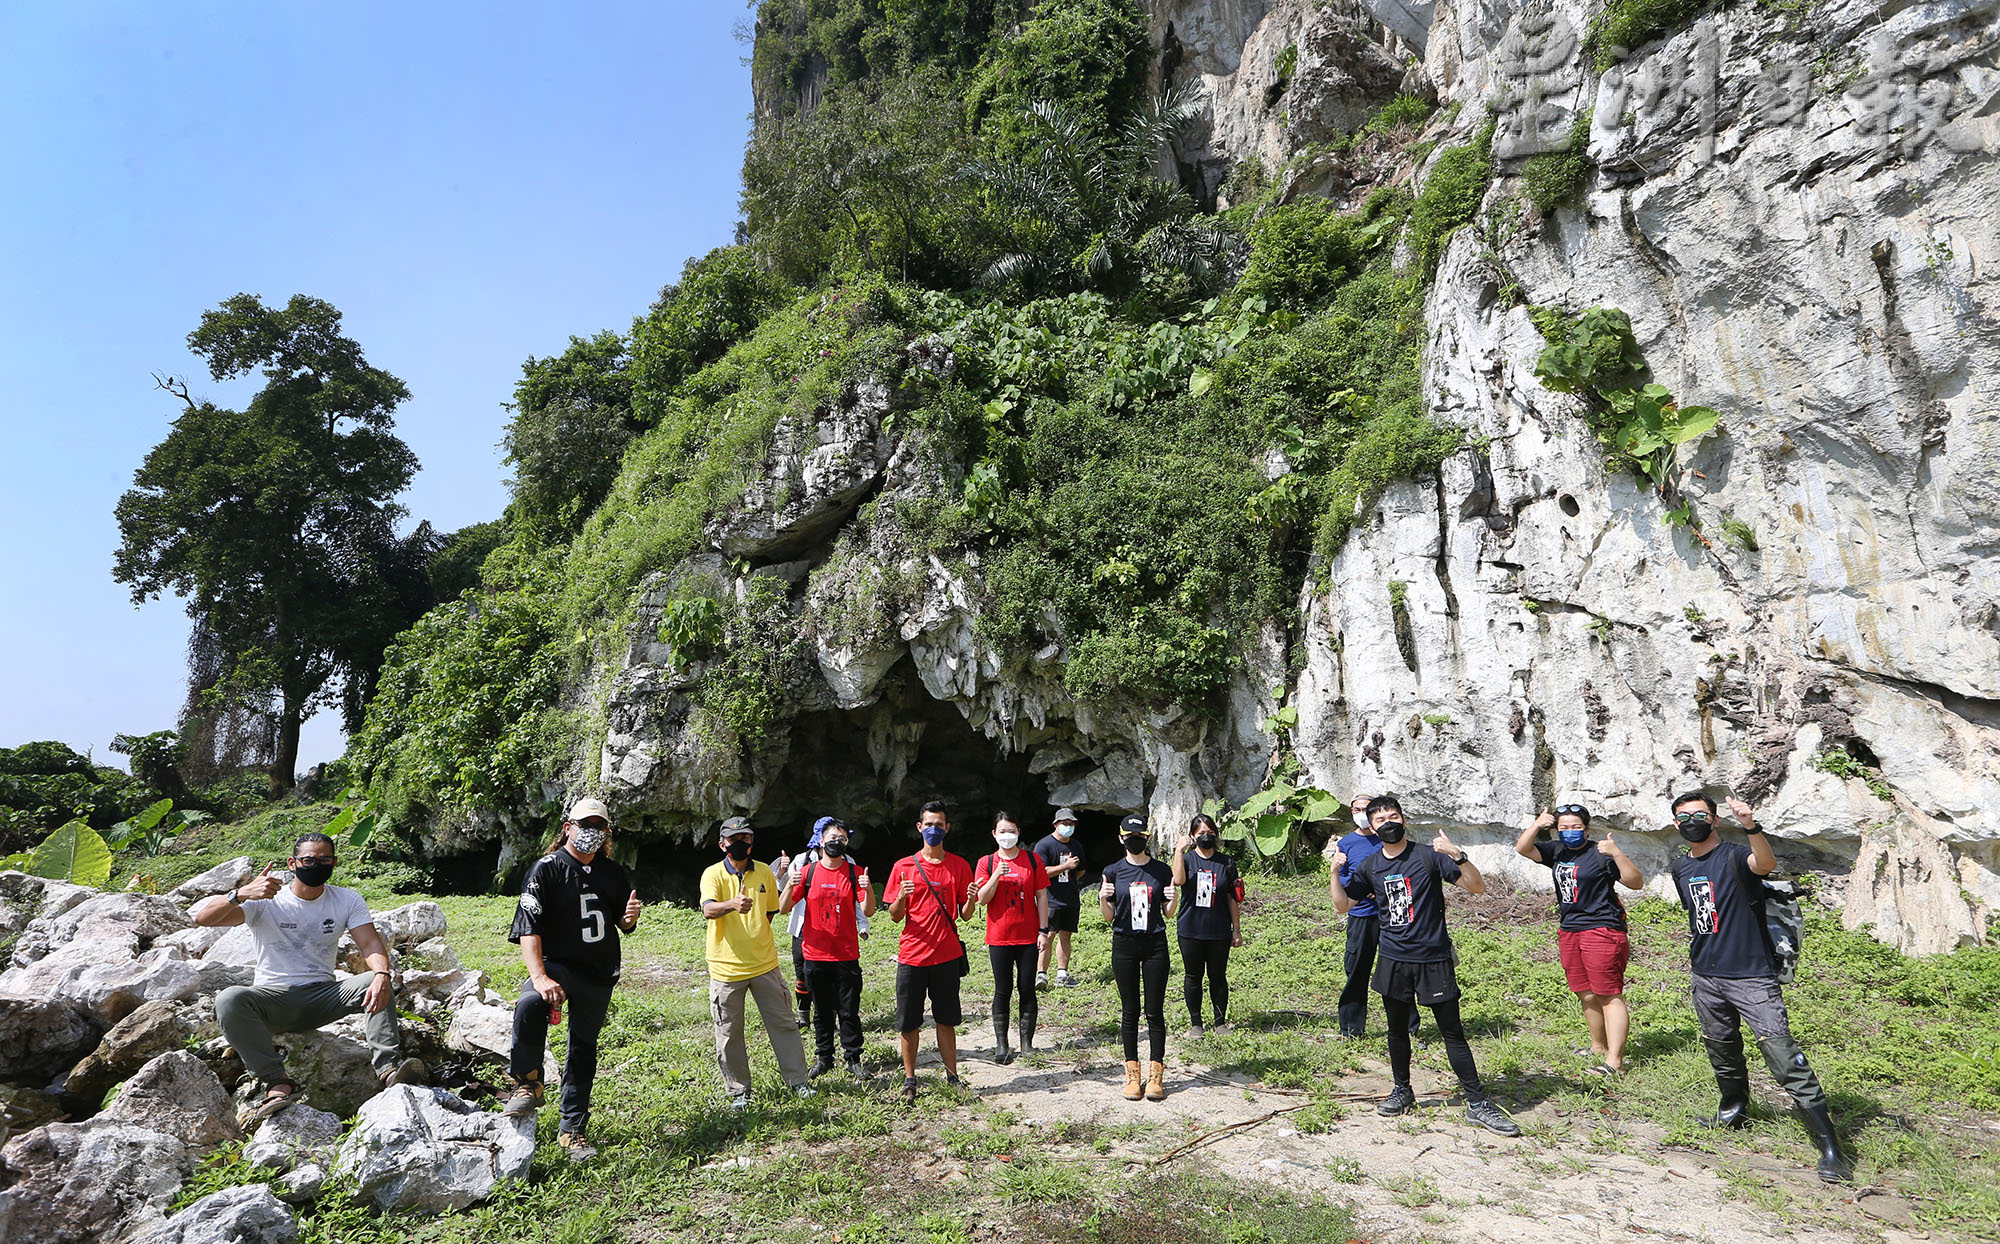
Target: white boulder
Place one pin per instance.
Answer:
(428, 1151)
(250, 1214)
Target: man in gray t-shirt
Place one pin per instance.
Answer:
(297, 926)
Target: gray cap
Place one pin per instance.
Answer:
(1065, 814)
(737, 825)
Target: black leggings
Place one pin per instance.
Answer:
(1011, 965)
(1199, 954)
(1137, 956)
(1402, 1013)
(587, 1001)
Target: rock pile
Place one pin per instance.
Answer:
(110, 995)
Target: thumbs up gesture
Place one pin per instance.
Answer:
(1545, 820)
(632, 909)
(261, 886)
(1606, 847)
(1108, 891)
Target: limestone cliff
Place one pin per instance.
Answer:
(1793, 205)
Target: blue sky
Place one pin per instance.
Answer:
(469, 184)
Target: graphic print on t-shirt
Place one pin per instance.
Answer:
(1702, 891)
(1204, 888)
(1398, 904)
(1566, 882)
(1142, 906)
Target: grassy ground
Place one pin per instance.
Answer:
(1909, 1051)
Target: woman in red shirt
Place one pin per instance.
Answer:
(1013, 884)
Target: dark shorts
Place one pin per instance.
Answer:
(1425, 984)
(939, 983)
(1594, 960)
(1062, 919)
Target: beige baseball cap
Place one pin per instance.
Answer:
(584, 808)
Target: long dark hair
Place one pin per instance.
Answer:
(1201, 819)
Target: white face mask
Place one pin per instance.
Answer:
(1361, 820)
(1007, 841)
(1064, 831)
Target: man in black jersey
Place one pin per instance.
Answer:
(575, 903)
(1736, 977)
(1416, 964)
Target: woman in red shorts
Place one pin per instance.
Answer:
(1592, 930)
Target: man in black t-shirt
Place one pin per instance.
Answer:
(575, 903)
(1065, 867)
(1735, 976)
(1416, 964)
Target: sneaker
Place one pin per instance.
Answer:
(525, 1099)
(1222, 1029)
(409, 1071)
(1492, 1118)
(819, 1068)
(1197, 1032)
(739, 1101)
(1064, 980)
(575, 1147)
(1041, 980)
(855, 1069)
(805, 1090)
(909, 1088)
(1400, 1098)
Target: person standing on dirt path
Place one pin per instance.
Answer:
(1014, 885)
(1591, 936)
(929, 893)
(1735, 975)
(1364, 935)
(1211, 919)
(829, 899)
(1057, 852)
(575, 904)
(1418, 964)
(739, 896)
(1137, 899)
(297, 924)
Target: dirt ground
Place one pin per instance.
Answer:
(1432, 1175)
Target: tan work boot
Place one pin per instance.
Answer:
(1133, 1090)
(526, 1097)
(1156, 1082)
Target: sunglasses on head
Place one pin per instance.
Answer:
(1572, 809)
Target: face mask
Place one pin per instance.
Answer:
(1205, 841)
(314, 873)
(933, 834)
(1007, 841)
(587, 839)
(739, 850)
(1135, 844)
(1694, 828)
(1390, 831)
(834, 847)
(1572, 837)
(1361, 820)
(1064, 832)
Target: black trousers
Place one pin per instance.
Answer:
(1402, 1014)
(1014, 965)
(836, 998)
(588, 1001)
(1364, 937)
(801, 992)
(1141, 959)
(1209, 955)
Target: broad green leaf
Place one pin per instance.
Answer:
(1322, 807)
(17, 862)
(338, 825)
(1199, 381)
(362, 828)
(1260, 803)
(1273, 832)
(74, 853)
(1690, 422)
(152, 815)
(1286, 718)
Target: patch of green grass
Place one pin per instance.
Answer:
(1451, 196)
(1627, 25)
(1554, 178)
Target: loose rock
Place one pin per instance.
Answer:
(152, 1030)
(38, 1039)
(251, 1214)
(177, 1094)
(293, 1137)
(87, 1183)
(426, 1150)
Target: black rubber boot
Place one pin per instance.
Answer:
(1002, 1053)
(1027, 1035)
(1732, 1082)
(1833, 1166)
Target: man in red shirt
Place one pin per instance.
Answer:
(929, 893)
(833, 888)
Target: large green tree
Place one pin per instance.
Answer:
(277, 523)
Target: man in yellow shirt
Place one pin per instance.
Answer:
(739, 896)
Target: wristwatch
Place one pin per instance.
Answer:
(1752, 829)
(234, 899)
(1461, 857)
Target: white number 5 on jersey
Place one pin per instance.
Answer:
(593, 920)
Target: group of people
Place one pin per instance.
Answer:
(576, 904)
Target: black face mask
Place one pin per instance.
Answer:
(1695, 828)
(834, 850)
(1205, 841)
(1135, 844)
(739, 851)
(313, 873)
(1390, 831)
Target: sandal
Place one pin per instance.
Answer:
(276, 1098)
(1606, 1070)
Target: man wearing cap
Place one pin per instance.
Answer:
(575, 903)
(1065, 870)
(739, 896)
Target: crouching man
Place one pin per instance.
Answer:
(297, 926)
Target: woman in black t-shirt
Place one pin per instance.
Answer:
(1211, 920)
(1137, 898)
(1590, 935)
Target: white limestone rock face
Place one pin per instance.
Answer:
(427, 1151)
(112, 915)
(1819, 278)
(251, 1214)
(295, 1136)
(41, 1038)
(88, 1183)
(178, 1095)
(220, 879)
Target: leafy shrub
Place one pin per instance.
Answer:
(1554, 178)
(1627, 25)
(455, 566)
(1087, 56)
(44, 784)
(1451, 195)
(1595, 356)
(691, 626)
(1405, 109)
(572, 420)
(721, 299)
(1301, 253)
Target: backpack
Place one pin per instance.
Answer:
(1784, 926)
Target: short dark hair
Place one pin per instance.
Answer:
(935, 805)
(1382, 803)
(314, 836)
(1695, 796)
(1201, 819)
(1002, 817)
